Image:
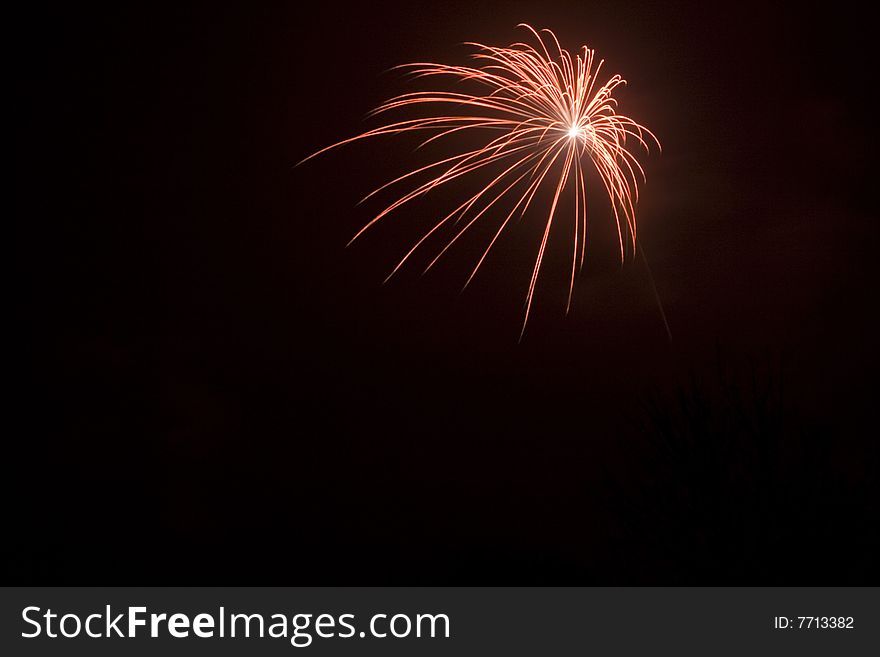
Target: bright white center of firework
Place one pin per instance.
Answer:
(575, 131)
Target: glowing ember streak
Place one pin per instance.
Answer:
(544, 110)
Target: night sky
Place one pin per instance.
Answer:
(218, 391)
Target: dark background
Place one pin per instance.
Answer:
(217, 391)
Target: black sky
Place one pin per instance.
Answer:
(209, 361)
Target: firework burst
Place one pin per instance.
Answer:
(540, 118)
